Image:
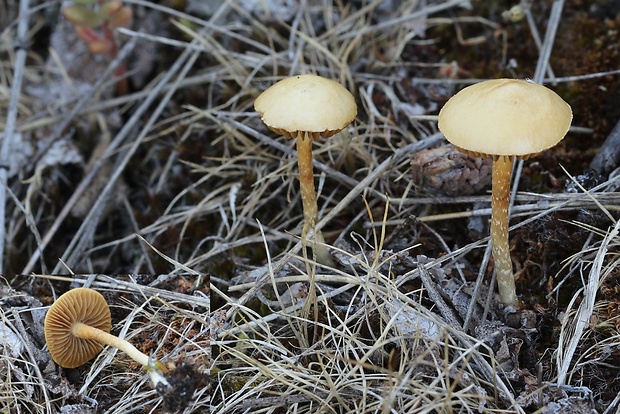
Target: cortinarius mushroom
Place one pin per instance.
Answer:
(307, 107)
(504, 118)
(77, 326)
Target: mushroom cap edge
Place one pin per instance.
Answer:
(306, 103)
(504, 117)
(77, 305)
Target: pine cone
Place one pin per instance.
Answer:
(447, 171)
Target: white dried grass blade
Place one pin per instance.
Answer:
(572, 327)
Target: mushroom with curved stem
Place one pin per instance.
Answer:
(77, 326)
(307, 107)
(504, 118)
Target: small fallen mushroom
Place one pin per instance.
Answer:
(307, 107)
(77, 326)
(504, 118)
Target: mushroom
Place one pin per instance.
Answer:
(504, 118)
(307, 107)
(77, 326)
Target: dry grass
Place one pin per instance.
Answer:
(165, 323)
(181, 178)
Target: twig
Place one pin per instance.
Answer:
(84, 233)
(607, 158)
(435, 296)
(9, 132)
(96, 167)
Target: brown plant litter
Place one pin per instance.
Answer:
(182, 208)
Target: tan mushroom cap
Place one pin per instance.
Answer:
(505, 117)
(78, 305)
(306, 103)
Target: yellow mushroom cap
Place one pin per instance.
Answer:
(505, 117)
(78, 305)
(306, 103)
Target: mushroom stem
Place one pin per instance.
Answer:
(502, 170)
(308, 199)
(88, 332)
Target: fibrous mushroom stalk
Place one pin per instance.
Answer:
(88, 332)
(502, 170)
(504, 118)
(308, 198)
(306, 107)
